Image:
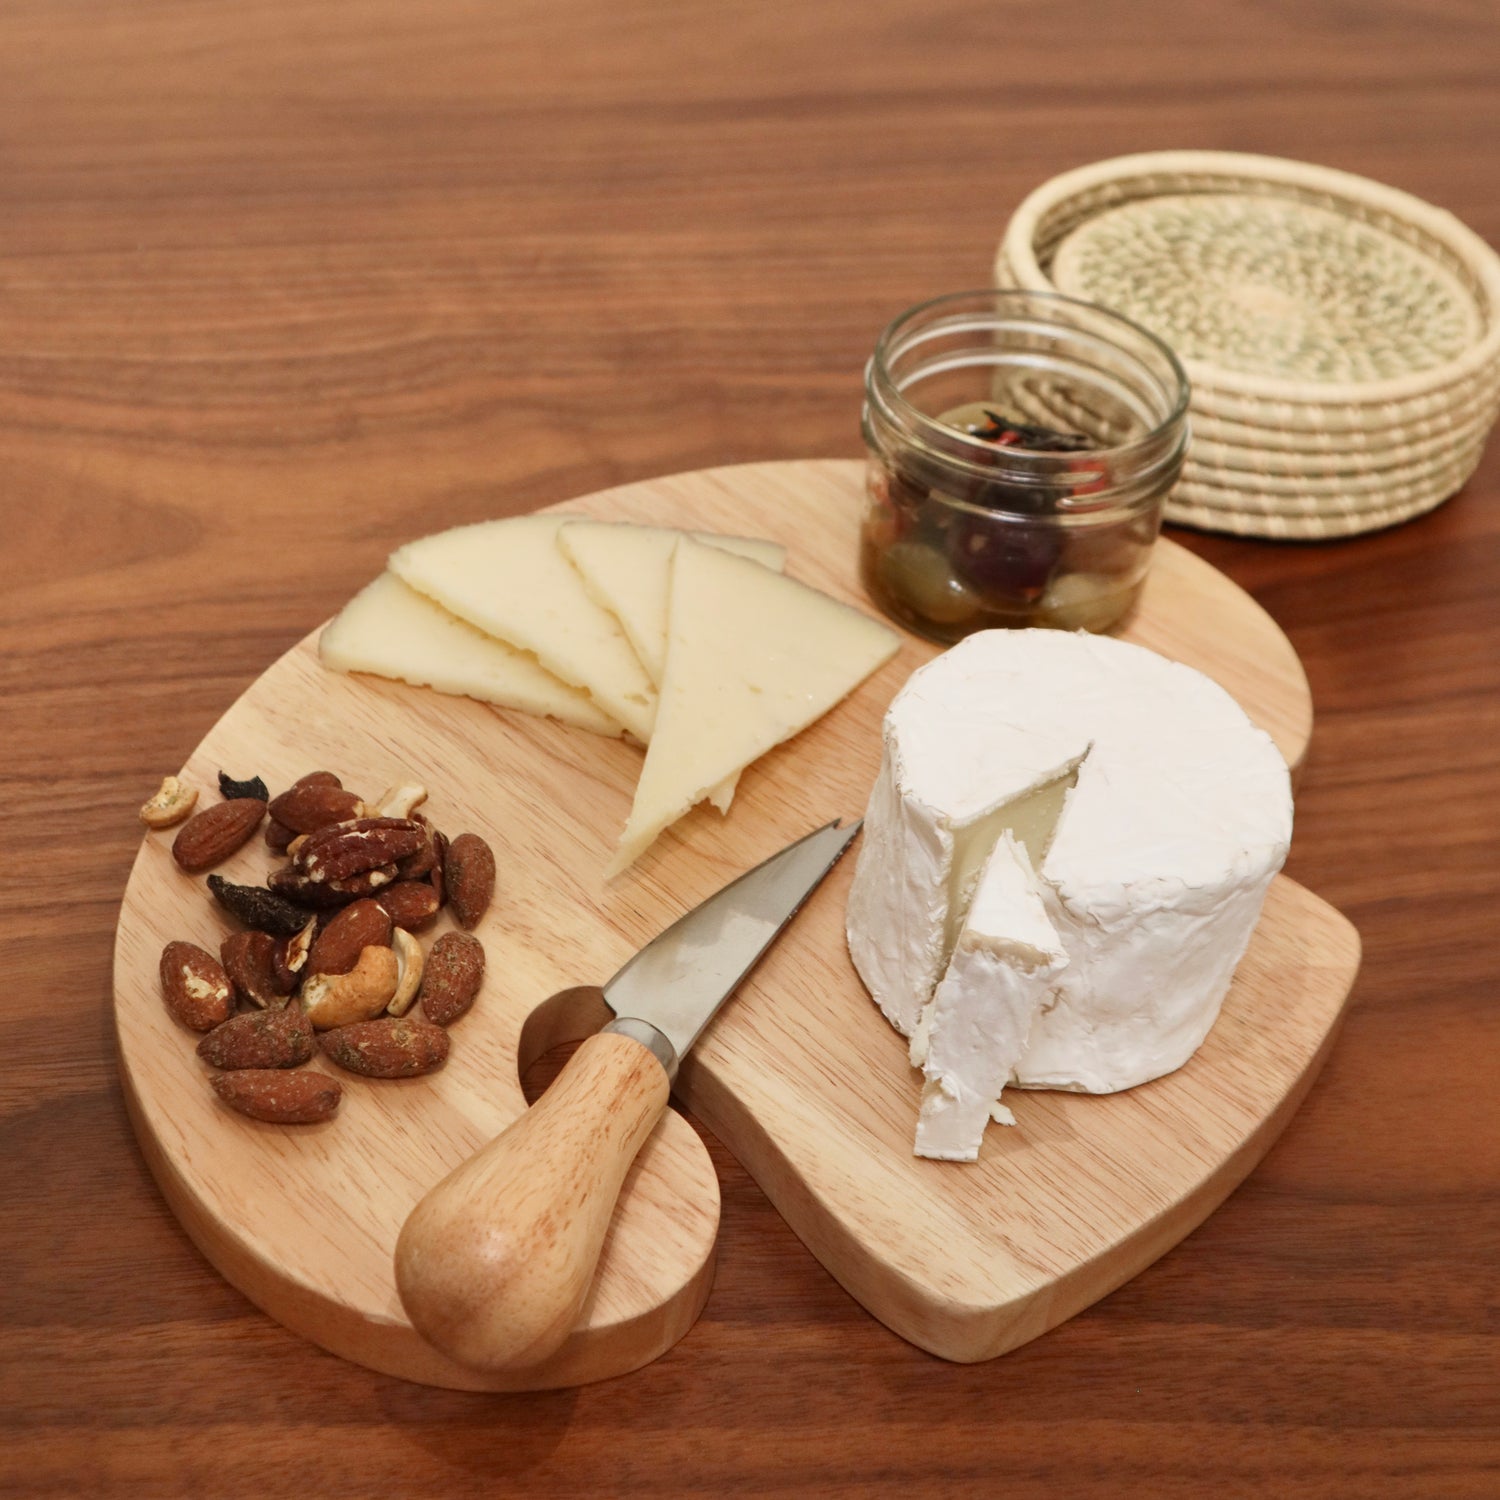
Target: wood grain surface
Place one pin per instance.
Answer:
(285, 285)
(800, 1076)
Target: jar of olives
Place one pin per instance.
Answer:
(1022, 445)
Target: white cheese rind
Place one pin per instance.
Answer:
(999, 978)
(510, 580)
(1153, 880)
(752, 659)
(390, 630)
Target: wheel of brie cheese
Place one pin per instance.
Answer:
(1064, 857)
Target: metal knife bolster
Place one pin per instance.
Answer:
(654, 1041)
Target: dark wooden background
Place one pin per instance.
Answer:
(283, 284)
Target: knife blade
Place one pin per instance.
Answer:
(494, 1264)
(678, 981)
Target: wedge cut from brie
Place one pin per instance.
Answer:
(627, 570)
(510, 580)
(974, 1031)
(752, 658)
(1154, 816)
(390, 630)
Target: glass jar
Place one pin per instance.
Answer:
(1022, 445)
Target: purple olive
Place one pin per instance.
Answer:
(1003, 561)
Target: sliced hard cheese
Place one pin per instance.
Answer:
(975, 1029)
(393, 631)
(509, 579)
(627, 570)
(752, 658)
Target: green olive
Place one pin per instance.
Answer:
(1085, 601)
(922, 578)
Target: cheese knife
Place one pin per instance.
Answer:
(494, 1264)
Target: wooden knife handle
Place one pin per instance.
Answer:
(494, 1264)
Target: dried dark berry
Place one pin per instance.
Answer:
(258, 907)
(255, 787)
(991, 427)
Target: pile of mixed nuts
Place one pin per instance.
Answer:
(326, 956)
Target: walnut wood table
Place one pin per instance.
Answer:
(283, 285)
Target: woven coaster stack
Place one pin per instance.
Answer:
(1342, 338)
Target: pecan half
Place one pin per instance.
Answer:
(348, 849)
(324, 894)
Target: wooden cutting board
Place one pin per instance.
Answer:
(799, 1075)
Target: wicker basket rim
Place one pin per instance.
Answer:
(1223, 171)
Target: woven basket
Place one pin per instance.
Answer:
(1450, 427)
(1453, 253)
(1278, 496)
(1342, 337)
(1256, 458)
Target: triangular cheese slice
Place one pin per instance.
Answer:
(627, 570)
(393, 631)
(752, 658)
(510, 580)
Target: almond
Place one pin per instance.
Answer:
(393, 1047)
(194, 985)
(337, 947)
(279, 1097)
(469, 874)
(260, 1039)
(318, 778)
(214, 833)
(454, 972)
(249, 959)
(412, 904)
(278, 836)
(311, 805)
(344, 850)
(360, 995)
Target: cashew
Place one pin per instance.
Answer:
(398, 801)
(360, 995)
(170, 805)
(409, 965)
